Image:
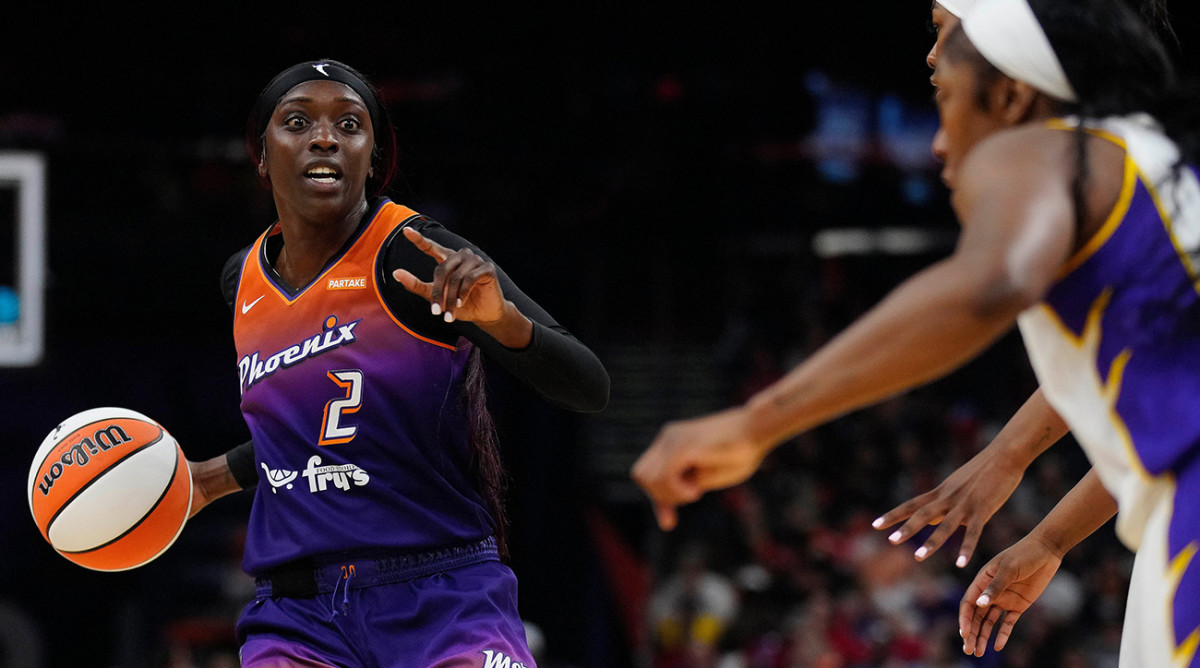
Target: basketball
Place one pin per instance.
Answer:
(110, 489)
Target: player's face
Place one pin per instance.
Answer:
(318, 147)
(965, 121)
(942, 22)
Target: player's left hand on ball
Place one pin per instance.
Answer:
(691, 457)
(464, 284)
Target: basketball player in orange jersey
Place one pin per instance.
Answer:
(377, 529)
(1088, 233)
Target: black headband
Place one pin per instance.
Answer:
(317, 70)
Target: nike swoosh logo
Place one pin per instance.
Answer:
(246, 307)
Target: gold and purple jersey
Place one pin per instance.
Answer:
(1116, 348)
(357, 420)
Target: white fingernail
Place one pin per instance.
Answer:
(436, 308)
(449, 317)
(983, 600)
(962, 561)
(921, 552)
(458, 303)
(962, 635)
(894, 538)
(877, 523)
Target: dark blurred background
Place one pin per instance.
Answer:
(702, 195)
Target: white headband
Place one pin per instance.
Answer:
(958, 8)
(1007, 33)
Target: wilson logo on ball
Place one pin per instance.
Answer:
(79, 454)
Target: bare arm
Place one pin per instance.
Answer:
(1018, 229)
(1017, 214)
(211, 479)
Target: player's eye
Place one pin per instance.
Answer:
(932, 27)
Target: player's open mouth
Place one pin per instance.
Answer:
(323, 175)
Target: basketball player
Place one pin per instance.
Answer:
(1085, 234)
(376, 530)
(971, 495)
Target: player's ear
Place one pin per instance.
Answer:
(1018, 101)
(262, 161)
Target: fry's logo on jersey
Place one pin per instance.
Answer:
(252, 368)
(279, 478)
(356, 283)
(341, 476)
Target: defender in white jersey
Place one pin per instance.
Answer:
(1085, 234)
(973, 493)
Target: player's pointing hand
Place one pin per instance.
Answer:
(464, 284)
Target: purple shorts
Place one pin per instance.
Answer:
(439, 610)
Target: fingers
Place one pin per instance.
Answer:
(667, 484)
(1006, 628)
(667, 516)
(967, 626)
(968, 607)
(426, 290)
(985, 630)
(922, 511)
(978, 613)
(455, 277)
(929, 514)
(446, 283)
(459, 285)
(975, 633)
(667, 495)
(435, 291)
(936, 540)
(430, 248)
(667, 478)
(969, 543)
(413, 284)
(899, 513)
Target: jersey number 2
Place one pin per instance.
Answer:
(332, 430)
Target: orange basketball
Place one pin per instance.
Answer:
(110, 489)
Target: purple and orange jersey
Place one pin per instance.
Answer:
(358, 424)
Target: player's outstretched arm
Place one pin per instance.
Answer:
(1018, 230)
(973, 493)
(1008, 584)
